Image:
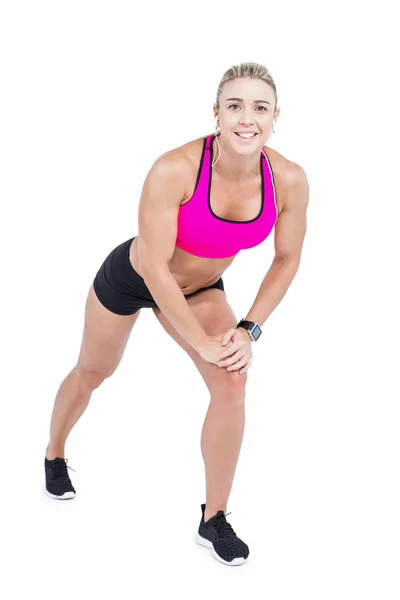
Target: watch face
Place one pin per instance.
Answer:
(256, 332)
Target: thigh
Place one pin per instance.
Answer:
(105, 337)
(215, 315)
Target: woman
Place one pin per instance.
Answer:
(201, 204)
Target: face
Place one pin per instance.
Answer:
(246, 106)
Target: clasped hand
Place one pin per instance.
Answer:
(236, 352)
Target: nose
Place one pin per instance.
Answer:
(247, 117)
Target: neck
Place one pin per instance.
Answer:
(232, 165)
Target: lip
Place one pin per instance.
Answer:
(246, 140)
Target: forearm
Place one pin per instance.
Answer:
(272, 290)
(171, 301)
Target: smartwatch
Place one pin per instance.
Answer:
(253, 329)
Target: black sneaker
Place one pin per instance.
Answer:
(58, 483)
(218, 535)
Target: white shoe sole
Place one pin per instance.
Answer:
(66, 496)
(207, 544)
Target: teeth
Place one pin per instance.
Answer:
(246, 135)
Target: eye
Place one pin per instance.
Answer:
(262, 107)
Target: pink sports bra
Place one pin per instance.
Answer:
(202, 233)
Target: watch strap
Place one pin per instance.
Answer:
(249, 326)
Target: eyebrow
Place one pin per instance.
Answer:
(241, 100)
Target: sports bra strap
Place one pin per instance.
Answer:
(208, 142)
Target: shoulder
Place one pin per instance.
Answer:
(298, 190)
(185, 156)
(290, 179)
(182, 161)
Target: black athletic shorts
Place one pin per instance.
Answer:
(121, 289)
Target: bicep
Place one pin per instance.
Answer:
(162, 192)
(290, 228)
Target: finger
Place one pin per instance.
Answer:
(246, 368)
(237, 345)
(228, 352)
(227, 336)
(238, 365)
(239, 355)
(230, 359)
(244, 358)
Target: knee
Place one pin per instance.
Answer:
(90, 379)
(230, 389)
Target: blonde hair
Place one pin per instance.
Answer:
(248, 69)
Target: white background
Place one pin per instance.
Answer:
(92, 93)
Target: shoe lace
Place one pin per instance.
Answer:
(60, 469)
(222, 527)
